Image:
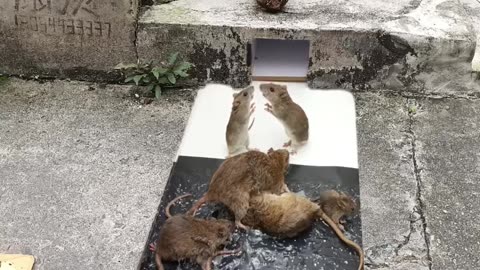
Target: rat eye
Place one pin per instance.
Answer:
(245, 94)
(272, 90)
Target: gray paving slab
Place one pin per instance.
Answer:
(392, 230)
(448, 154)
(82, 169)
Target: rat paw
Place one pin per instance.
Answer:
(152, 247)
(285, 189)
(252, 105)
(241, 226)
(268, 105)
(287, 144)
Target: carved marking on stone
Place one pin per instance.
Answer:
(52, 25)
(72, 19)
(74, 6)
(33, 5)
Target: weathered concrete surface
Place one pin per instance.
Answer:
(82, 169)
(424, 45)
(473, 9)
(393, 235)
(64, 38)
(447, 139)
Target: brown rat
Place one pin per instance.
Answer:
(243, 175)
(336, 205)
(272, 6)
(289, 214)
(289, 113)
(237, 127)
(184, 237)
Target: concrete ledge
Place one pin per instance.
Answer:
(415, 46)
(69, 39)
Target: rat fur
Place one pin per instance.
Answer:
(289, 113)
(184, 237)
(237, 127)
(287, 215)
(243, 175)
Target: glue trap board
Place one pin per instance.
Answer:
(328, 161)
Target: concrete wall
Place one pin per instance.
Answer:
(80, 39)
(338, 59)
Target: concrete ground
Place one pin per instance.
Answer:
(419, 166)
(82, 168)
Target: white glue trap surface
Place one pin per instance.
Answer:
(331, 113)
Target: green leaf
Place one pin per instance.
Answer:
(182, 74)
(158, 92)
(173, 58)
(137, 78)
(129, 79)
(163, 80)
(123, 66)
(151, 87)
(146, 79)
(171, 78)
(182, 67)
(159, 71)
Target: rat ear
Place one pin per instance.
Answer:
(235, 95)
(344, 203)
(270, 150)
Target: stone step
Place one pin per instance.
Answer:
(421, 45)
(424, 45)
(67, 39)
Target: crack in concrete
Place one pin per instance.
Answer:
(377, 265)
(412, 229)
(135, 37)
(417, 171)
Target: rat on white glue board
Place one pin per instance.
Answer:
(237, 127)
(289, 113)
(184, 237)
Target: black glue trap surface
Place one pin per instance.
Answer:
(317, 248)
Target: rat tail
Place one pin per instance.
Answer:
(237, 251)
(167, 209)
(342, 237)
(197, 205)
(158, 260)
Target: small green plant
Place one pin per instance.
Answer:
(412, 109)
(158, 77)
(3, 79)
